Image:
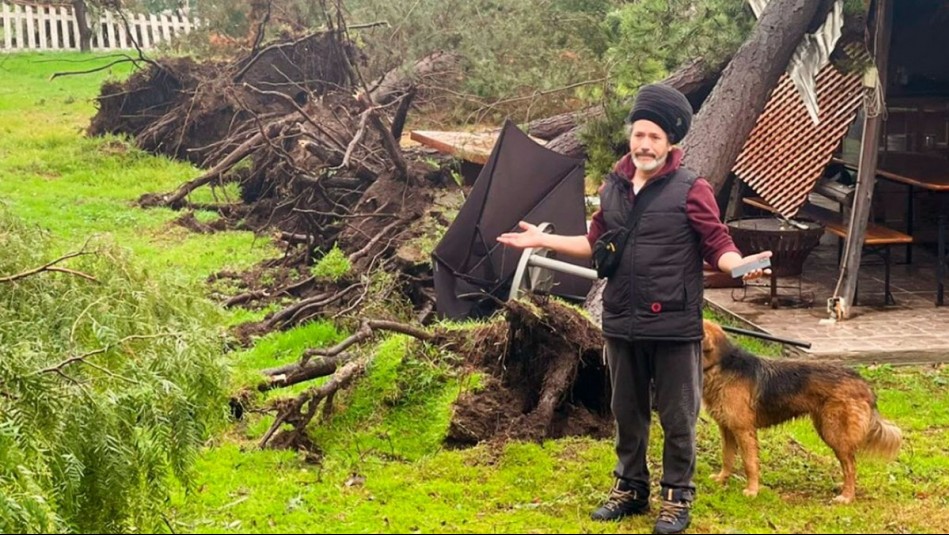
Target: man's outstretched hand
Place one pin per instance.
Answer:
(530, 237)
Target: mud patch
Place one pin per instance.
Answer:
(544, 378)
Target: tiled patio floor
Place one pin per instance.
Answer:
(912, 331)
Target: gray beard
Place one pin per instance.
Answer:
(651, 165)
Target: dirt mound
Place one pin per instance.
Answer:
(549, 381)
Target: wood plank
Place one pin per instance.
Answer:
(30, 28)
(165, 28)
(98, 41)
(41, 19)
(54, 28)
(123, 33)
(19, 20)
(156, 29)
(64, 24)
(474, 147)
(7, 26)
(110, 30)
(77, 36)
(186, 20)
(145, 32)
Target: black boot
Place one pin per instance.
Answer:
(674, 516)
(624, 500)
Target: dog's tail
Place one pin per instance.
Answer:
(883, 438)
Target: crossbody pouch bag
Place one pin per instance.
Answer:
(608, 249)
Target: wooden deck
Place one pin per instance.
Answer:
(474, 147)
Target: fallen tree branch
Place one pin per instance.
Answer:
(127, 59)
(402, 112)
(331, 358)
(51, 266)
(384, 233)
(363, 118)
(58, 368)
(402, 328)
(232, 159)
(288, 314)
(390, 144)
(260, 294)
(299, 372)
(292, 413)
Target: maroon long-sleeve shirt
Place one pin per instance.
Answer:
(700, 206)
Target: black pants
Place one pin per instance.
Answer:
(676, 370)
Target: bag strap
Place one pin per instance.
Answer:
(643, 198)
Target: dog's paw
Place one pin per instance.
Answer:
(721, 478)
(749, 492)
(843, 499)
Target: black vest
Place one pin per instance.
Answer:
(656, 293)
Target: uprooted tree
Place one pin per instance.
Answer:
(313, 148)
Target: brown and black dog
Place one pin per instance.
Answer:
(744, 393)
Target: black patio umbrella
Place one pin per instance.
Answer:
(521, 180)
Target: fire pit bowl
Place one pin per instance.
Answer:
(790, 244)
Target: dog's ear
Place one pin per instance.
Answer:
(707, 331)
(713, 340)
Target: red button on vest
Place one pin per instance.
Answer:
(656, 308)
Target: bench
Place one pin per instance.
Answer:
(877, 240)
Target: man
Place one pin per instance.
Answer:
(652, 304)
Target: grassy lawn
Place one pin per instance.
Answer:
(81, 188)
(384, 470)
(383, 466)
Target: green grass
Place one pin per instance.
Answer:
(80, 188)
(384, 468)
(384, 471)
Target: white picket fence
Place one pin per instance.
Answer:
(53, 27)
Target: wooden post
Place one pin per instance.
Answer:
(866, 174)
(54, 28)
(65, 16)
(110, 32)
(41, 18)
(30, 28)
(123, 33)
(8, 26)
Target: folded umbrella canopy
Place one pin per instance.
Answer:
(521, 181)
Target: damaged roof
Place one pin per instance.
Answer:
(786, 152)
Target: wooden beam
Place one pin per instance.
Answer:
(842, 301)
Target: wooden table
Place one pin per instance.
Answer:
(929, 173)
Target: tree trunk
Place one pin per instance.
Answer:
(569, 143)
(85, 34)
(695, 80)
(398, 82)
(549, 128)
(719, 131)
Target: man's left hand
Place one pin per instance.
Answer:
(752, 275)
